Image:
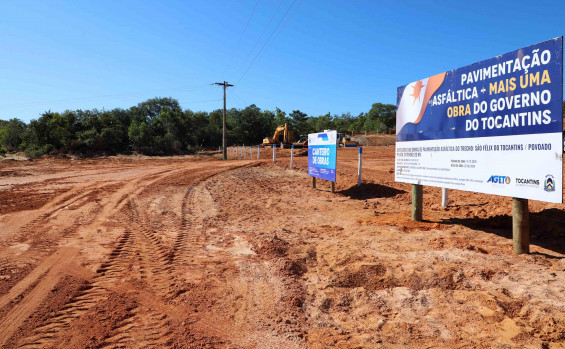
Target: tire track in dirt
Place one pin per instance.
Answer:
(199, 257)
(25, 288)
(136, 257)
(139, 256)
(75, 308)
(185, 240)
(110, 271)
(148, 327)
(46, 277)
(144, 326)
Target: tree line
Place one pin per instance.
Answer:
(159, 126)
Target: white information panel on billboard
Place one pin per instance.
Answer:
(493, 127)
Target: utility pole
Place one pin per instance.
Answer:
(224, 153)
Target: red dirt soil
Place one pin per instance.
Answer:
(192, 252)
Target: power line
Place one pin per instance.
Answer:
(287, 21)
(268, 40)
(241, 37)
(239, 98)
(260, 36)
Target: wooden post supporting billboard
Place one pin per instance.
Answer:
(520, 226)
(417, 199)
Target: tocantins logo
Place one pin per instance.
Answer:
(549, 183)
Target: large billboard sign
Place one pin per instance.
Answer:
(322, 155)
(493, 127)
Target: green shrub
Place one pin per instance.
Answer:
(34, 152)
(191, 149)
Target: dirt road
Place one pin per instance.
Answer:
(196, 252)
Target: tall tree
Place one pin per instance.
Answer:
(11, 134)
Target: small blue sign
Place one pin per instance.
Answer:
(322, 155)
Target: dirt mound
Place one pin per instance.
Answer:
(372, 140)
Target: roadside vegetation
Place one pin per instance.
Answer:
(160, 126)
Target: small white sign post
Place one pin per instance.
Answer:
(291, 156)
(360, 167)
(274, 152)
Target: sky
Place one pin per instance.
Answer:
(316, 56)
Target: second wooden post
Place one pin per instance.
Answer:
(417, 199)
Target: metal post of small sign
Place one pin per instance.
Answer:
(444, 197)
(313, 182)
(291, 156)
(417, 199)
(258, 152)
(520, 226)
(274, 152)
(333, 187)
(359, 167)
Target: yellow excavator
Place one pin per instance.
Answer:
(283, 136)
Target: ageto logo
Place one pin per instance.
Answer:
(499, 179)
(549, 183)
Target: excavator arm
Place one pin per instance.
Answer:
(282, 135)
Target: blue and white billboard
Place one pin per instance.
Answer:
(322, 155)
(493, 127)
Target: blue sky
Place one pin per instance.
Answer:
(324, 56)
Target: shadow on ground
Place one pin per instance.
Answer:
(370, 191)
(547, 228)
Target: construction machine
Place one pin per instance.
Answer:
(345, 141)
(283, 136)
(302, 142)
